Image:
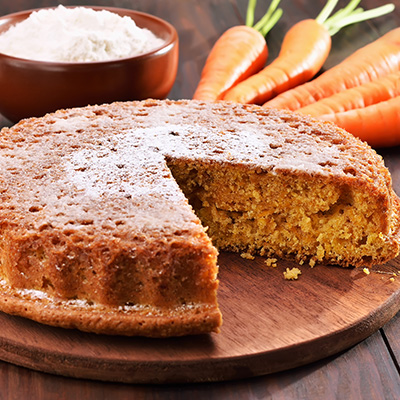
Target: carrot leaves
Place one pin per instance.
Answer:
(268, 21)
(348, 15)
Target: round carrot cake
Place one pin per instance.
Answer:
(112, 216)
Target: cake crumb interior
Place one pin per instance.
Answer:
(284, 215)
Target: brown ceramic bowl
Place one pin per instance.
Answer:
(33, 88)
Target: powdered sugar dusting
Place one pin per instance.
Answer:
(33, 294)
(118, 153)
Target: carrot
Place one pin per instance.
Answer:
(369, 93)
(240, 52)
(368, 63)
(377, 124)
(304, 50)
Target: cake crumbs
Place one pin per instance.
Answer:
(312, 262)
(392, 275)
(247, 256)
(271, 262)
(366, 271)
(291, 274)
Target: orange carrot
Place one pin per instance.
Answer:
(238, 43)
(377, 124)
(304, 50)
(240, 52)
(370, 62)
(369, 93)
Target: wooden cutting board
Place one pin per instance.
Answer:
(270, 324)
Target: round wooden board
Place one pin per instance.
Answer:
(270, 324)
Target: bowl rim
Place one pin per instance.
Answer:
(164, 48)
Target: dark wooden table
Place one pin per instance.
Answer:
(369, 370)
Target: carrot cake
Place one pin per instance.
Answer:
(111, 215)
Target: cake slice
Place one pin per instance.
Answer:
(111, 215)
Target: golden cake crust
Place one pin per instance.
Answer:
(97, 234)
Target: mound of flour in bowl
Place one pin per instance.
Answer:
(76, 35)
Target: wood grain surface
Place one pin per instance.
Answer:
(368, 370)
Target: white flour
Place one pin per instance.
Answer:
(76, 35)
